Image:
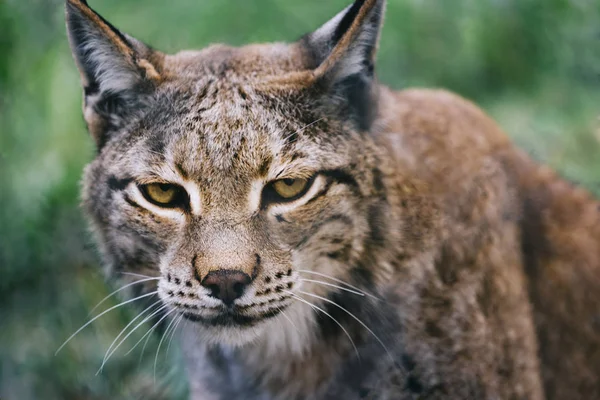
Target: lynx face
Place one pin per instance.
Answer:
(237, 176)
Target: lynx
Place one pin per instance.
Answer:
(326, 237)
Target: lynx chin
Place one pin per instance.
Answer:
(326, 237)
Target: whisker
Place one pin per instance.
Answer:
(138, 275)
(158, 310)
(101, 314)
(339, 281)
(303, 128)
(185, 322)
(165, 333)
(118, 290)
(124, 330)
(288, 318)
(147, 334)
(143, 349)
(353, 316)
(332, 285)
(329, 315)
(171, 330)
(173, 334)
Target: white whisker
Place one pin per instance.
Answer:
(288, 318)
(171, 329)
(303, 128)
(118, 290)
(339, 281)
(329, 315)
(158, 310)
(150, 330)
(138, 275)
(147, 334)
(353, 316)
(101, 314)
(173, 334)
(143, 349)
(332, 285)
(123, 331)
(165, 333)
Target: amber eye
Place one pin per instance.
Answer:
(164, 194)
(290, 188)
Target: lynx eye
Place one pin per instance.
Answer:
(290, 188)
(164, 194)
(286, 190)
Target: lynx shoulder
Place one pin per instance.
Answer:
(327, 237)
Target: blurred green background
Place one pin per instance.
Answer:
(532, 64)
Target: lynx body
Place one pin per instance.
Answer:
(328, 238)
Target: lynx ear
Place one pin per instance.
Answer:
(343, 52)
(118, 73)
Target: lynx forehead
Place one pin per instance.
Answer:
(326, 237)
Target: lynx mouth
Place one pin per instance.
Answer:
(233, 318)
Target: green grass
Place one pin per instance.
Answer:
(533, 64)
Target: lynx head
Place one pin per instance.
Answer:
(239, 177)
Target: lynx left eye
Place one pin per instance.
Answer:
(286, 190)
(164, 194)
(289, 188)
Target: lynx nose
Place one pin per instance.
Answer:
(226, 285)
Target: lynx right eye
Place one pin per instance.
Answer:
(286, 190)
(165, 194)
(289, 188)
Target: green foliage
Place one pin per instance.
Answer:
(533, 64)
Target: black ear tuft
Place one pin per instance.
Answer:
(117, 71)
(343, 54)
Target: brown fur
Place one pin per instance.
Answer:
(480, 269)
(553, 237)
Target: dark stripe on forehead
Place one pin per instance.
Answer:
(118, 184)
(290, 139)
(181, 171)
(264, 167)
(156, 144)
(343, 177)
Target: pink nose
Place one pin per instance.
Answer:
(226, 285)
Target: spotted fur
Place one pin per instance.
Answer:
(429, 259)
